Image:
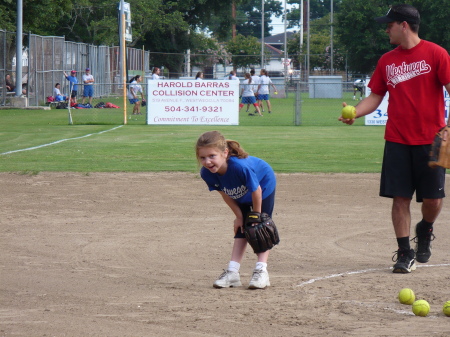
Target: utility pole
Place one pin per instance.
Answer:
(233, 14)
(331, 38)
(308, 40)
(19, 48)
(262, 34)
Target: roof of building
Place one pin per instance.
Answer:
(277, 39)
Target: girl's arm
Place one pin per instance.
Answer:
(257, 200)
(239, 221)
(132, 92)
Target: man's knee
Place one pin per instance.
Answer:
(401, 202)
(432, 203)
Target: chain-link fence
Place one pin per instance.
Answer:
(304, 99)
(46, 58)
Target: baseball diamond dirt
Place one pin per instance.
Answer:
(136, 254)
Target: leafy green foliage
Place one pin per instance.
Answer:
(320, 47)
(366, 40)
(249, 17)
(246, 51)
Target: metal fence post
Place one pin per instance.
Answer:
(298, 105)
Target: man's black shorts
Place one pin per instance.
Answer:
(405, 171)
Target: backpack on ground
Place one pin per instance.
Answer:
(62, 105)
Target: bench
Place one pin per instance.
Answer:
(8, 95)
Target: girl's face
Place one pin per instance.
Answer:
(213, 159)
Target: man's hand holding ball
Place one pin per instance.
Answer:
(348, 114)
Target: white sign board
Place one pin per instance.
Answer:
(127, 12)
(191, 102)
(380, 116)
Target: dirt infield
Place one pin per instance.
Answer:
(125, 254)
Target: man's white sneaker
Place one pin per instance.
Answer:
(260, 279)
(228, 279)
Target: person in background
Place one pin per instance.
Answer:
(231, 76)
(8, 83)
(358, 85)
(199, 76)
(414, 74)
(255, 82)
(88, 90)
(248, 95)
(57, 93)
(73, 83)
(155, 73)
(263, 90)
(135, 89)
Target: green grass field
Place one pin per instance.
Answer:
(42, 140)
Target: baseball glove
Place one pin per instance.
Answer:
(440, 149)
(261, 232)
(144, 103)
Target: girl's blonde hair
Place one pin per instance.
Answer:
(215, 139)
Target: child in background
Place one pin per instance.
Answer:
(248, 95)
(264, 89)
(135, 89)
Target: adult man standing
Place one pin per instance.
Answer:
(414, 74)
(73, 86)
(88, 90)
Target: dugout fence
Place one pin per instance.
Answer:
(45, 58)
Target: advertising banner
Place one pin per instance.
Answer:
(193, 102)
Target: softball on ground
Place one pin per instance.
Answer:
(406, 296)
(446, 308)
(421, 308)
(349, 112)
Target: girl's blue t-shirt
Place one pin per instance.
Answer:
(243, 177)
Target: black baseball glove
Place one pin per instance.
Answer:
(261, 232)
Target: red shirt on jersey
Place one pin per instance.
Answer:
(414, 79)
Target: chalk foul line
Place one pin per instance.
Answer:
(362, 272)
(60, 141)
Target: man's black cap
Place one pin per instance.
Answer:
(400, 13)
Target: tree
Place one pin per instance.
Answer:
(318, 9)
(366, 41)
(246, 51)
(249, 17)
(320, 47)
(39, 16)
(208, 52)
